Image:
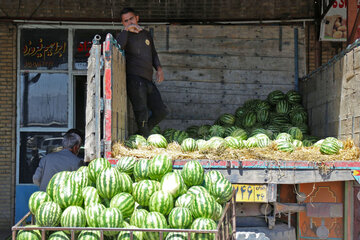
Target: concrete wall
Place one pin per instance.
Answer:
(7, 123)
(332, 97)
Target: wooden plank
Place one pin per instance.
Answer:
(227, 31)
(226, 62)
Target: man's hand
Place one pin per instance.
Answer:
(133, 28)
(159, 75)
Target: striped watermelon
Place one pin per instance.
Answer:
(217, 212)
(297, 143)
(279, 119)
(240, 134)
(216, 131)
(203, 224)
(55, 182)
(73, 216)
(177, 236)
(108, 183)
(96, 166)
(298, 117)
(195, 190)
(154, 220)
(29, 234)
(192, 173)
(211, 177)
(179, 136)
(330, 146)
(155, 130)
(69, 193)
(275, 96)
(185, 200)
(180, 218)
(124, 202)
(263, 105)
(293, 97)
(126, 165)
(221, 190)
(161, 202)
(251, 142)
(307, 143)
(125, 235)
(168, 134)
(284, 146)
(36, 199)
(239, 112)
(227, 119)
(202, 145)
(192, 131)
(303, 128)
(157, 140)
(234, 143)
(262, 116)
(143, 191)
(249, 119)
(59, 235)
(141, 169)
(172, 183)
(203, 206)
(284, 136)
(295, 133)
(262, 140)
(319, 143)
(229, 130)
(48, 214)
(138, 217)
(251, 104)
(203, 130)
(92, 214)
(135, 141)
(159, 166)
(217, 143)
(282, 107)
(110, 218)
(90, 195)
(189, 145)
(89, 235)
(81, 177)
(125, 182)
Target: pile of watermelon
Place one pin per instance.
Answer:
(280, 118)
(136, 193)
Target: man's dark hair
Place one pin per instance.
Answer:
(78, 132)
(70, 140)
(127, 10)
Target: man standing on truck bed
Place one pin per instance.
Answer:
(141, 57)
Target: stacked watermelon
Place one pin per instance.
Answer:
(135, 193)
(279, 113)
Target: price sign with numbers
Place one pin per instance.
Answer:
(251, 193)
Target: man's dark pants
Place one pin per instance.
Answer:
(144, 95)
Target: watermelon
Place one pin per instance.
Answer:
(192, 131)
(179, 136)
(185, 200)
(80, 177)
(126, 165)
(141, 169)
(234, 143)
(73, 216)
(96, 166)
(275, 96)
(124, 202)
(240, 112)
(284, 146)
(69, 193)
(227, 119)
(90, 195)
(330, 146)
(295, 133)
(29, 234)
(297, 143)
(284, 136)
(216, 131)
(251, 104)
(172, 183)
(307, 143)
(154, 220)
(263, 116)
(229, 130)
(110, 218)
(177, 236)
(195, 190)
(138, 217)
(262, 140)
(36, 199)
(293, 97)
(155, 130)
(48, 214)
(168, 134)
(180, 218)
(135, 141)
(217, 143)
(59, 235)
(125, 235)
(108, 183)
(89, 235)
(192, 173)
(203, 205)
(203, 224)
(298, 117)
(211, 177)
(202, 145)
(279, 119)
(161, 202)
(143, 191)
(251, 142)
(282, 106)
(217, 212)
(125, 182)
(159, 166)
(221, 190)
(157, 140)
(239, 134)
(249, 119)
(55, 182)
(188, 145)
(92, 214)
(203, 131)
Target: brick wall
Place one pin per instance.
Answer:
(158, 10)
(7, 122)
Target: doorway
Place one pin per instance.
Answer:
(80, 102)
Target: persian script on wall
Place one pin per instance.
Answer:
(44, 49)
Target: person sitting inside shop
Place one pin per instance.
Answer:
(64, 160)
